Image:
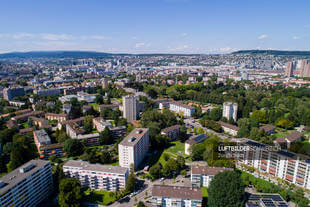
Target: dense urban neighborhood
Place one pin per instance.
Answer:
(95, 129)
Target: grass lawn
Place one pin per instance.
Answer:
(280, 134)
(99, 197)
(176, 148)
(204, 191)
(95, 106)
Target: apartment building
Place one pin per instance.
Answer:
(57, 117)
(130, 108)
(293, 168)
(133, 148)
(229, 128)
(10, 93)
(97, 176)
(201, 176)
(172, 132)
(192, 140)
(27, 185)
(100, 124)
(168, 196)
(47, 92)
(45, 147)
(118, 131)
(230, 110)
(180, 108)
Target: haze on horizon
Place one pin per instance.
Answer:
(154, 26)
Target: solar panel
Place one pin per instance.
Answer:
(285, 153)
(255, 144)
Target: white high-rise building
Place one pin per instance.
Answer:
(230, 110)
(133, 148)
(104, 82)
(130, 107)
(27, 185)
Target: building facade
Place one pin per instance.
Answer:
(97, 176)
(169, 196)
(282, 164)
(183, 109)
(130, 108)
(10, 93)
(27, 185)
(44, 146)
(230, 110)
(201, 176)
(133, 148)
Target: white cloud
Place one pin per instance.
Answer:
(22, 35)
(140, 44)
(263, 36)
(56, 37)
(98, 37)
(295, 37)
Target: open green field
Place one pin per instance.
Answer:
(176, 148)
(99, 197)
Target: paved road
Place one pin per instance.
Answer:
(195, 124)
(125, 202)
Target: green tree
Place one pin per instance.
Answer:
(131, 182)
(141, 204)
(106, 136)
(284, 123)
(155, 170)
(88, 124)
(70, 193)
(73, 147)
(215, 114)
(226, 189)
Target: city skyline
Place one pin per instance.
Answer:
(164, 26)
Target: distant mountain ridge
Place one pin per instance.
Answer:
(273, 52)
(74, 54)
(93, 54)
(55, 54)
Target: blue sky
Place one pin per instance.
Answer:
(154, 26)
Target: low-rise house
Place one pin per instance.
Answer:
(268, 129)
(24, 117)
(63, 124)
(229, 128)
(172, 132)
(100, 124)
(289, 139)
(118, 131)
(45, 147)
(167, 196)
(180, 108)
(40, 122)
(73, 130)
(57, 117)
(90, 139)
(97, 176)
(201, 176)
(193, 140)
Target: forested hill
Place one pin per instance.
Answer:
(273, 52)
